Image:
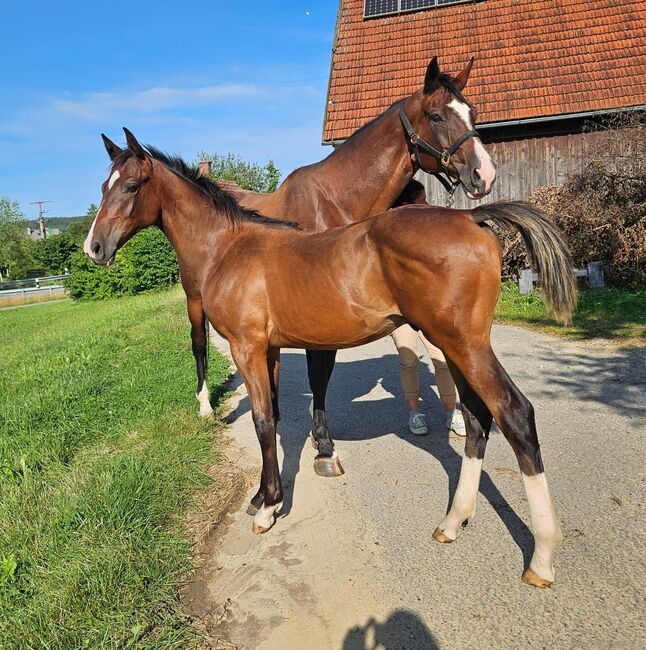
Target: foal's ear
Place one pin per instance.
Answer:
(112, 149)
(134, 146)
(432, 73)
(463, 77)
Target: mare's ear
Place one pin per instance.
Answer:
(134, 146)
(112, 149)
(432, 73)
(463, 77)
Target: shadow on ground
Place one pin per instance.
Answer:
(401, 630)
(615, 378)
(352, 417)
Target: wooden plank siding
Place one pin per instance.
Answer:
(523, 165)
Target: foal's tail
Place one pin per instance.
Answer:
(547, 251)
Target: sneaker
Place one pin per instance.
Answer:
(455, 423)
(417, 423)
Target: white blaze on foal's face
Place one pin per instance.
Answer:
(113, 179)
(485, 168)
(87, 244)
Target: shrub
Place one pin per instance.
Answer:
(602, 209)
(54, 253)
(147, 262)
(249, 176)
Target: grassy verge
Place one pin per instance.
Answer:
(31, 298)
(100, 451)
(609, 313)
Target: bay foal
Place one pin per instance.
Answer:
(268, 284)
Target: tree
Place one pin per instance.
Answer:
(15, 246)
(77, 230)
(249, 176)
(54, 253)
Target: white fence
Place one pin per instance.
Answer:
(594, 273)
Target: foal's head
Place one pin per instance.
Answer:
(129, 203)
(444, 115)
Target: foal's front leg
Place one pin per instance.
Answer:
(320, 364)
(273, 368)
(252, 363)
(198, 340)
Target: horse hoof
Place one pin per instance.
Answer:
(207, 415)
(440, 537)
(251, 509)
(328, 466)
(257, 529)
(529, 577)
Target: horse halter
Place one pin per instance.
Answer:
(443, 156)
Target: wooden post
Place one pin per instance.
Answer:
(595, 275)
(525, 281)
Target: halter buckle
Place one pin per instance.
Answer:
(445, 158)
(414, 138)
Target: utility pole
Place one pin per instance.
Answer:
(41, 222)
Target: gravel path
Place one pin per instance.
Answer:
(351, 564)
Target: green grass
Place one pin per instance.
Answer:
(609, 313)
(100, 451)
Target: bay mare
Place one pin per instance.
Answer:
(362, 177)
(268, 284)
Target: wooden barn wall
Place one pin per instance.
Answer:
(523, 165)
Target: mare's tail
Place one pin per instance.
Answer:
(547, 251)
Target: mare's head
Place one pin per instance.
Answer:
(442, 116)
(129, 202)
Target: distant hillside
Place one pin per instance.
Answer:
(55, 222)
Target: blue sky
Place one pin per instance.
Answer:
(249, 78)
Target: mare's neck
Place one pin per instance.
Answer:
(378, 160)
(189, 221)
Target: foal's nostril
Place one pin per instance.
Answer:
(96, 247)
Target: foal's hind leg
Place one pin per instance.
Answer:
(320, 364)
(514, 415)
(477, 418)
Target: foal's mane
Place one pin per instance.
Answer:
(222, 200)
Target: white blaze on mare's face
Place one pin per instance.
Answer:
(485, 168)
(88, 240)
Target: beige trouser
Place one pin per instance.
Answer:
(405, 338)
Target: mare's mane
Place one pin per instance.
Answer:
(221, 199)
(446, 81)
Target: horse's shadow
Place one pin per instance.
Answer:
(352, 418)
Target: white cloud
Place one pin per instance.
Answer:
(100, 106)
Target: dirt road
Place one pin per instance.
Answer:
(351, 564)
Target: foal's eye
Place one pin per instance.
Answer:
(133, 187)
(435, 117)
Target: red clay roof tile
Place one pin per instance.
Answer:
(533, 58)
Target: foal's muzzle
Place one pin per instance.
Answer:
(99, 254)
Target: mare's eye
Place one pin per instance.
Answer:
(436, 118)
(133, 187)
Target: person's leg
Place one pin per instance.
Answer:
(405, 339)
(446, 388)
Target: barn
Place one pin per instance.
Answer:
(544, 72)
